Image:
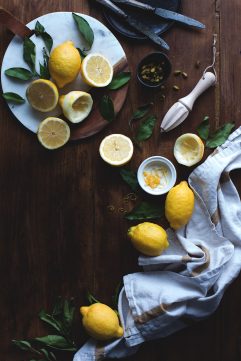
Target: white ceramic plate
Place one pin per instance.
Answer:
(61, 26)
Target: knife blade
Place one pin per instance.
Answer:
(136, 24)
(163, 13)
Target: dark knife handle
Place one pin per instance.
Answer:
(109, 4)
(136, 4)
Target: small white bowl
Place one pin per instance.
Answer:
(155, 162)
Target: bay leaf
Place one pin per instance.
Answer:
(107, 108)
(220, 135)
(204, 128)
(145, 129)
(29, 53)
(57, 342)
(119, 80)
(84, 29)
(19, 73)
(145, 210)
(130, 178)
(13, 98)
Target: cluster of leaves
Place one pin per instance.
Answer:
(60, 320)
(216, 138)
(29, 55)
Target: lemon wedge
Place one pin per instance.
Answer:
(96, 70)
(116, 149)
(42, 95)
(76, 105)
(53, 133)
(188, 149)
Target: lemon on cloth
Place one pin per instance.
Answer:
(96, 70)
(53, 133)
(101, 322)
(42, 95)
(179, 205)
(76, 105)
(116, 149)
(64, 63)
(148, 238)
(188, 149)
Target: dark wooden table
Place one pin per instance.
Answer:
(57, 235)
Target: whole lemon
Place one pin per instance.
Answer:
(148, 238)
(179, 205)
(64, 63)
(101, 322)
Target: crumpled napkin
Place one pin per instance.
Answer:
(187, 282)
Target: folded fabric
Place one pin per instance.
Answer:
(187, 282)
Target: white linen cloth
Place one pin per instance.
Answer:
(188, 280)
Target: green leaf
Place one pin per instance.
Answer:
(107, 108)
(39, 29)
(84, 29)
(146, 128)
(48, 41)
(23, 345)
(19, 73)
(91, 299)
(44, 69)
(50, 320)
(57, 342)
(145, 210)
(130, 178)
(69, 310)
(203, 128)
(82, 53)
(119, 80)
(140, 113)
(46, 354)
(13, 98)
(220, 136)
(29, 53)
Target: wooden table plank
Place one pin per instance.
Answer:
(58, 237)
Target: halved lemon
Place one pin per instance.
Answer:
(53, 133)
(42, 95)
(116, 149)
(96, 70)
(76, 105)
(188, 149)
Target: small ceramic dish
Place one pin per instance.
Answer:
(156, 175)
(153, 70)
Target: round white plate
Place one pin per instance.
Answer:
(62, 27)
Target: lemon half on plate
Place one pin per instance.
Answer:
(116, 149)
(42, 95)
(96, 70)
(53, 133)
(188, 149)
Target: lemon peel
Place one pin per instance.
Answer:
(76, 105)
(188, 149)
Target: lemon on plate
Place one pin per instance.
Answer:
(64, 63)
(76, 105)
(42, 95)
(96, 70)
(148, 238)
(179, 205)
(53, 133)
(101, 322)
(116, 149)
(188, 149)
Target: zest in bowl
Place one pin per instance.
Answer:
(153, 70)
(156, 175)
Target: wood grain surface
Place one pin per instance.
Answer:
(57, 235)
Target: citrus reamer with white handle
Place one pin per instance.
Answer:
(180, 110)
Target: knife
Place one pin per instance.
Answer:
(136, 24)
(180, 110)
(163, 13)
